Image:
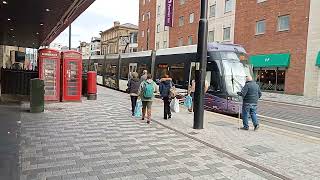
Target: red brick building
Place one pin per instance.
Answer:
(185, 23)
(185, 28)
(147, 18)
(275, 33)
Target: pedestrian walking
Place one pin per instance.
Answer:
(133, 88)
(250, 93)
(165, 86)
(146, 92)
(144, 75)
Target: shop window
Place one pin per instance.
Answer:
(271, 80)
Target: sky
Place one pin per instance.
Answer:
(99, 17)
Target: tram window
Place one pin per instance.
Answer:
(124, 71)
(177, 73)
(111, 70)
(161, 70)
(99, 69)
(142, 67)
(215, 77)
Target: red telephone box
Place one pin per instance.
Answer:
(71, 75)
(49, 71)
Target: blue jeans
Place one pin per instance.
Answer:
(251, 109)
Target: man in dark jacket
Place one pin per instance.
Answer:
(250, 94)
(164, 87)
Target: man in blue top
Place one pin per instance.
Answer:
(250, 94)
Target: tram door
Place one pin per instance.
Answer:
(132, 68)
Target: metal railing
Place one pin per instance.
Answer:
(16, 82)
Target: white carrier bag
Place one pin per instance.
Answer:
(174, 105)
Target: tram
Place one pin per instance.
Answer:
(227, 69)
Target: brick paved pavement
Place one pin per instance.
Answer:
(293, 155)
(98, 140)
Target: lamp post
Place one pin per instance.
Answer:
(201, 70)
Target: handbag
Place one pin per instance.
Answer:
(174, 105)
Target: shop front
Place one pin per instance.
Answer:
(270, 71)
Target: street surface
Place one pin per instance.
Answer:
(298, 118)
(294, 113)
(9, 141)
(99, 140)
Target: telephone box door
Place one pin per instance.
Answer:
(49, 72)
(72, 76)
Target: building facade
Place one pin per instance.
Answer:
(95, 46)
(121, 38)
(221, 19)
(84, 49)
(282, 39)
(312, 70)
(8, 59)
(147, 24)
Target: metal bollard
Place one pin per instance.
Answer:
(36, 95)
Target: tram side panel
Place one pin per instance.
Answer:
(133, 64)
(110, 77)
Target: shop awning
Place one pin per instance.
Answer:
(270, 60)
(318, 60)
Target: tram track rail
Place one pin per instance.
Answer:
(290, 104)
(302, 126)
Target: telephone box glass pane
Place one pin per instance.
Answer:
(49, 77)
(72, 79)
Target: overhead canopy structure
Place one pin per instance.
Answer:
(34, 23)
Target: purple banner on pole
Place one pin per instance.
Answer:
(169, 13)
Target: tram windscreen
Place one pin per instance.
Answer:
(234, 72)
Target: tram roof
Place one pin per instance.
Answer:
(193, 49)
(38, 22)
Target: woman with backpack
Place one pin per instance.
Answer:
(165, 86)
(146, 92)
(133, 88)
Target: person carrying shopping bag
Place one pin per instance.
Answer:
(133, 88)
(146, 92)
(165, 86)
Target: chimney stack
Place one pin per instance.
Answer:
(116, 23)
